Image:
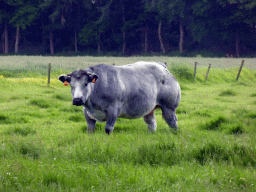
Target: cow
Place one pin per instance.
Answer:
(131, 91)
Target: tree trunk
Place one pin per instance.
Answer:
(17, 39)
(2, 37)
(237, 44)
(152, 3)
(146, 39)
(124, 34)
(51, 42)
(160, 37)
(6, 42)
(75, 41)
(43, 37)
(99, 48)
(124, 44)
(12, 43)
(181, 36)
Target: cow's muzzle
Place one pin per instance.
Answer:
(77, 101)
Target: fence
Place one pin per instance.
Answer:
(208, 70)
(195, 70)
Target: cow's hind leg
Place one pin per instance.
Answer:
(151, 121)
(170, 117)
(90, 122)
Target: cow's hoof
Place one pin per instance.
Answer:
(108, 131)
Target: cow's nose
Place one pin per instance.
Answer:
(77, 101)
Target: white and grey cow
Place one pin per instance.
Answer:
(130, 91)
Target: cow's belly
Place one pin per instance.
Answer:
(97, 115)
(140, 101)
(136, 110)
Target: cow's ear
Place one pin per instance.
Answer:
(92, 78)
(64, 78)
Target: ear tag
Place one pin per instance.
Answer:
(94, 81)
(65, 83)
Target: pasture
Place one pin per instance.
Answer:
(44, 145)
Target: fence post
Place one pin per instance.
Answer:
(242, 64)
(49, 74)
(195, 71)
(207, 72)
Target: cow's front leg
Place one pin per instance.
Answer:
(90, 122)
(111, 115)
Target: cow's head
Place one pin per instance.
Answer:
(81, 85)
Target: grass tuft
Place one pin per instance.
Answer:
(76, 118)
(243, 155)
(215, 123)
(252, 115)
(3, 118)
(242, 83)
(184, 88)
(237, 155)
(181, 111)
(24, 131)
(84, 128)
(182, 72)
(203, 113)
(50, 179)
(27, 148)
(40, 103)
(210, 151)
(62, 97)
(7, 119)
(71, 109)
(235, 129)
(228, 92)
(157, 154)
(15, 97)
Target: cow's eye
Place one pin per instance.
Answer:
(85, 84)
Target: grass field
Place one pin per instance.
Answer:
(44, 145)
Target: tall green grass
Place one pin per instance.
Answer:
(44, 145)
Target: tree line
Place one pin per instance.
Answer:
(128, 27)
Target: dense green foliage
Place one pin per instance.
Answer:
(128, 27)
(44, 145)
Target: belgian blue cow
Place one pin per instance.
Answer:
(131, 91)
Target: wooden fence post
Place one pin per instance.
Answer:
(207, 72)
(242, 64)
(195, 71)
(49, 74)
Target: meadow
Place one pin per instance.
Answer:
(44, 145)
